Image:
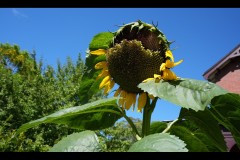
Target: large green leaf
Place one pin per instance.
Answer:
(87, 89)
(207, 124)
(159, 142)
(197, 132)
(157, 127)
(101, 41)
(187, 93)
(226, 109)
(89, 85)
(211, 146)
(91, 60)
(96, 115)
(194, 144)
(86, 141)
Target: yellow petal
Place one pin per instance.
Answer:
(111, 84)
(101, 65)
(122, 99)
(104, 73)
(104, 82)
(118, 91)
(134, 98)
(157, 76)
(169, 54)
(151, 96)
(142, 99)
(121, 102)
(169, 75)
(169, 64)
(130, 100)
(177, 63)
(99, 52)
(106, 90)
(147, 80)
(163, 66)
(108, 86)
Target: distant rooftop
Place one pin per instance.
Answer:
(209, 74)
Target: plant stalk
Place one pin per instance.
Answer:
(147, 113)
(134, 128)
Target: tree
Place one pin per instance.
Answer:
(119, 137)
(28, 91)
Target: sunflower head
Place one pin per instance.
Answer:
(150, 36)
(138, 51)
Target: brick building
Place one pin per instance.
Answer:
(226, 73)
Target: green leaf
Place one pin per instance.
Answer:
(159, 142)
(90, 85)
(86, 141)
(187, 93)
(211, 146)
(194, 144)
(92, 116)
(84, 90)
(91, 60)
(87, 89)
(101, 41)
(157, 127)
(198, 133)
(226, 110)
(207, 124)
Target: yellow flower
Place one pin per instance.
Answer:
(127, 99)
(136, 53)
(157, 78)
(167, 74)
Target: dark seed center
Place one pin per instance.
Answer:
(130, 63)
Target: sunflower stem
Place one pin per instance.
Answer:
(147, 113)
(134, 128)
(169, 126)
(153, 104)
(146, 119)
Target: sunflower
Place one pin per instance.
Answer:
(138, 52)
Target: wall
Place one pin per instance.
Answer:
(229, 76)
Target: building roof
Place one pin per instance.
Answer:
(209, 74)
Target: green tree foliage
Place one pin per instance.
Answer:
(17, 61)
(28, 91)
(119, 137)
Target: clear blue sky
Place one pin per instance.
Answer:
(202, 35)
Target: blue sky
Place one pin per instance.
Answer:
(202, 35)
